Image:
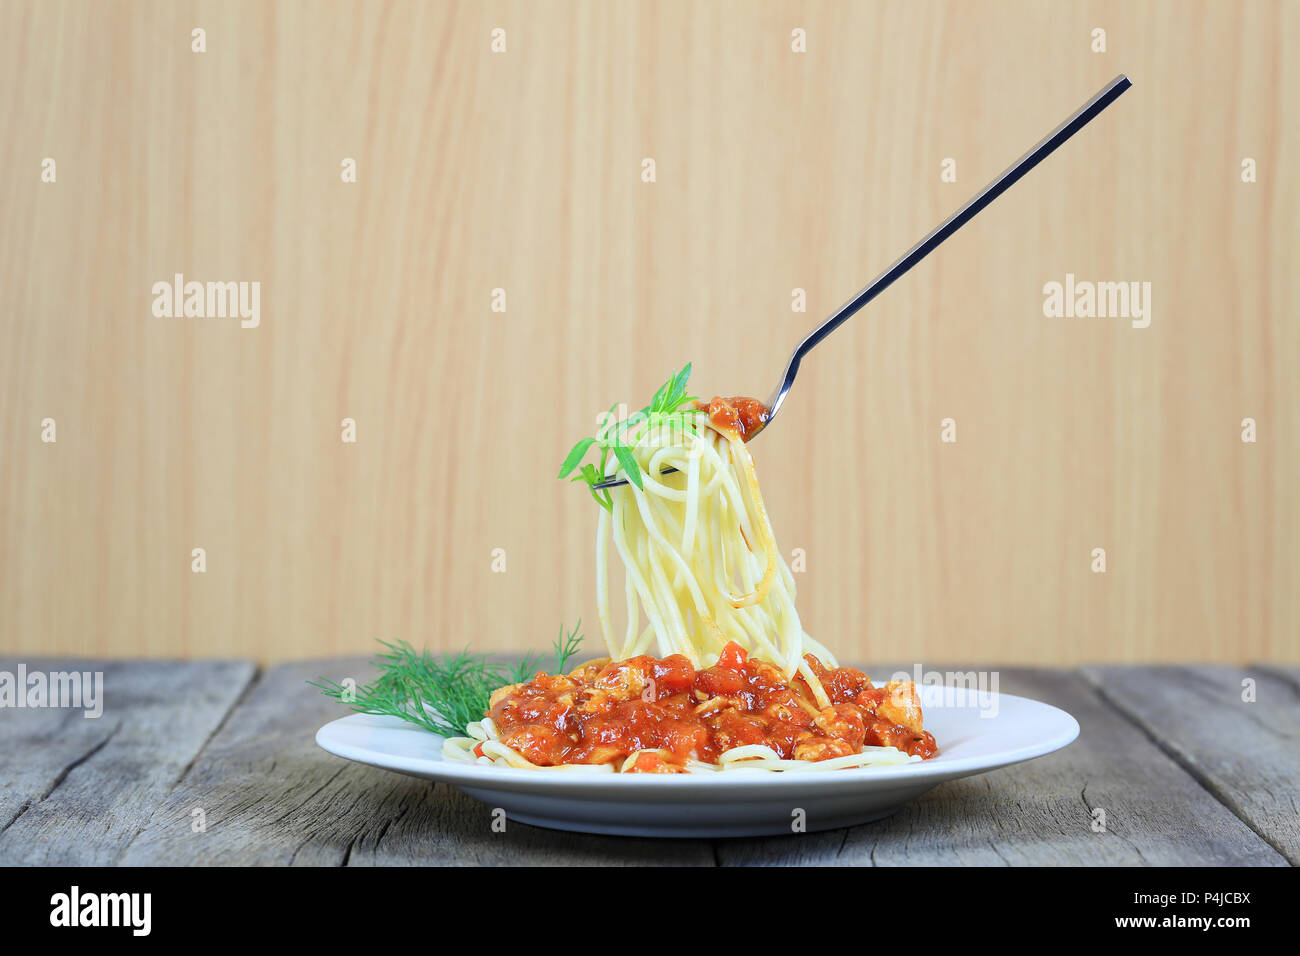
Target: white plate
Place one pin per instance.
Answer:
(975, 733)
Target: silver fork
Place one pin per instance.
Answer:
(1049, 144)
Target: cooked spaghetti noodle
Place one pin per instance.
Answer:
(738, 684)
(700, 557)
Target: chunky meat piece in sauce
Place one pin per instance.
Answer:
(739, 416)
(605, 711)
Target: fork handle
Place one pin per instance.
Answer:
(1048, 145)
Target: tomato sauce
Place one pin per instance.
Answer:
(605, 711)
(739, 416)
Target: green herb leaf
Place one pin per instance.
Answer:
(566, 646)
(670, 407)
(632, 469)
(656, 403)
(575, 456)
(678, 389)
(444, 693)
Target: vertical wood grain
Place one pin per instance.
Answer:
(521, 170)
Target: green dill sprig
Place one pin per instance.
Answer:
(671, 407)
(442, 693)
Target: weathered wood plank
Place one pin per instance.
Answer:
(1245, 752)
(1041, 812)
(270, 796)
(85, 791)
(76, 790)
(450, 828)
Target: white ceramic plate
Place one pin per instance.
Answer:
(975, 733)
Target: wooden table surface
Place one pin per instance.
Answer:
(1185, 770)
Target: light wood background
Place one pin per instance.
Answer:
(521, 170)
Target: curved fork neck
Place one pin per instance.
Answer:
(1009, 177)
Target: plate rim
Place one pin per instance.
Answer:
(510, 778)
